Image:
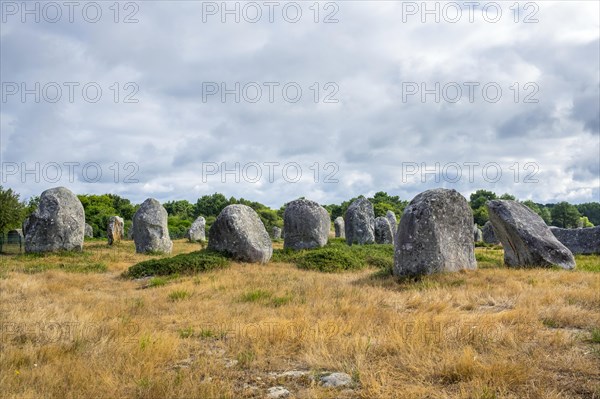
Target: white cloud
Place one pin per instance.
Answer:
(370, 134)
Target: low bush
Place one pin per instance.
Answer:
(189, 263)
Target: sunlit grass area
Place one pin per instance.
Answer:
(72, 328)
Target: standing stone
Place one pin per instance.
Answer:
(57, 224)
(360, 222)
(338, 225)
(584, 241)
(115, 231)
(477, 234)
(306, 224)
(130, 232)
(276, 233)
(197, 231)
(489, 235)
(435, 235)
(150, 230)
(383, 231)
(391, 216)
(89, 231)
(239, 232)
(526, 239)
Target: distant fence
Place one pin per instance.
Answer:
(12, 242)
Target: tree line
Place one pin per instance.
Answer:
(181, 213)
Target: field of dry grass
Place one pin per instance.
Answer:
(73, 327)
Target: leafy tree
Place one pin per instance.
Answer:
(31, 206)
(210, 205)
(507, 196)
(178, 226)
(11, 210)
(591, 210)
(182, 209)
(565, 215)
(477, 201)
(585, 222)
(382, 202)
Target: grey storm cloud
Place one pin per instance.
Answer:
(367, 137)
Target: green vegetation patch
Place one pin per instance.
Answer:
(337, 256)
(189, 263)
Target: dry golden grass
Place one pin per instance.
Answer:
(489, 333)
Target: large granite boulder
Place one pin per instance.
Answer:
(57, 224)
(338, 225)
(435, 235)
(276, 233)
(360, 222)
(391, 216)
(477, 234)
(150, 230)
(585, 241)
(197, 231)
(239, 232)
(115, 230)
(307, 225)
(89, 231)
(489, 235)
(526, 239)
(383, 231)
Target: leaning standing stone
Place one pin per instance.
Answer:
(239, 232)
(360, 222)
(57, 224)
(197, 231)
(383, 231)
(435, 235)
(306, 224)
(526, 238)
(338, 224)
(150, 229)
(115, 230)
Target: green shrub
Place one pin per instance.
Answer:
(329, 259)
(337, 256)
(190, 263)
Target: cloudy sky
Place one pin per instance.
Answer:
(274, 100)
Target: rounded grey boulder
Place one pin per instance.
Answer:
(197, 231)
(435, 235)
(150, 230)
(115, 230)
(383, 231)
(338, 225)
(585, 241)
(489, 235)
(526, 239)
(57, 224)
(306, 224)
(239, 232)
(360, 222)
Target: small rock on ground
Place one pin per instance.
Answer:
(277, 392)
(335, 380)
